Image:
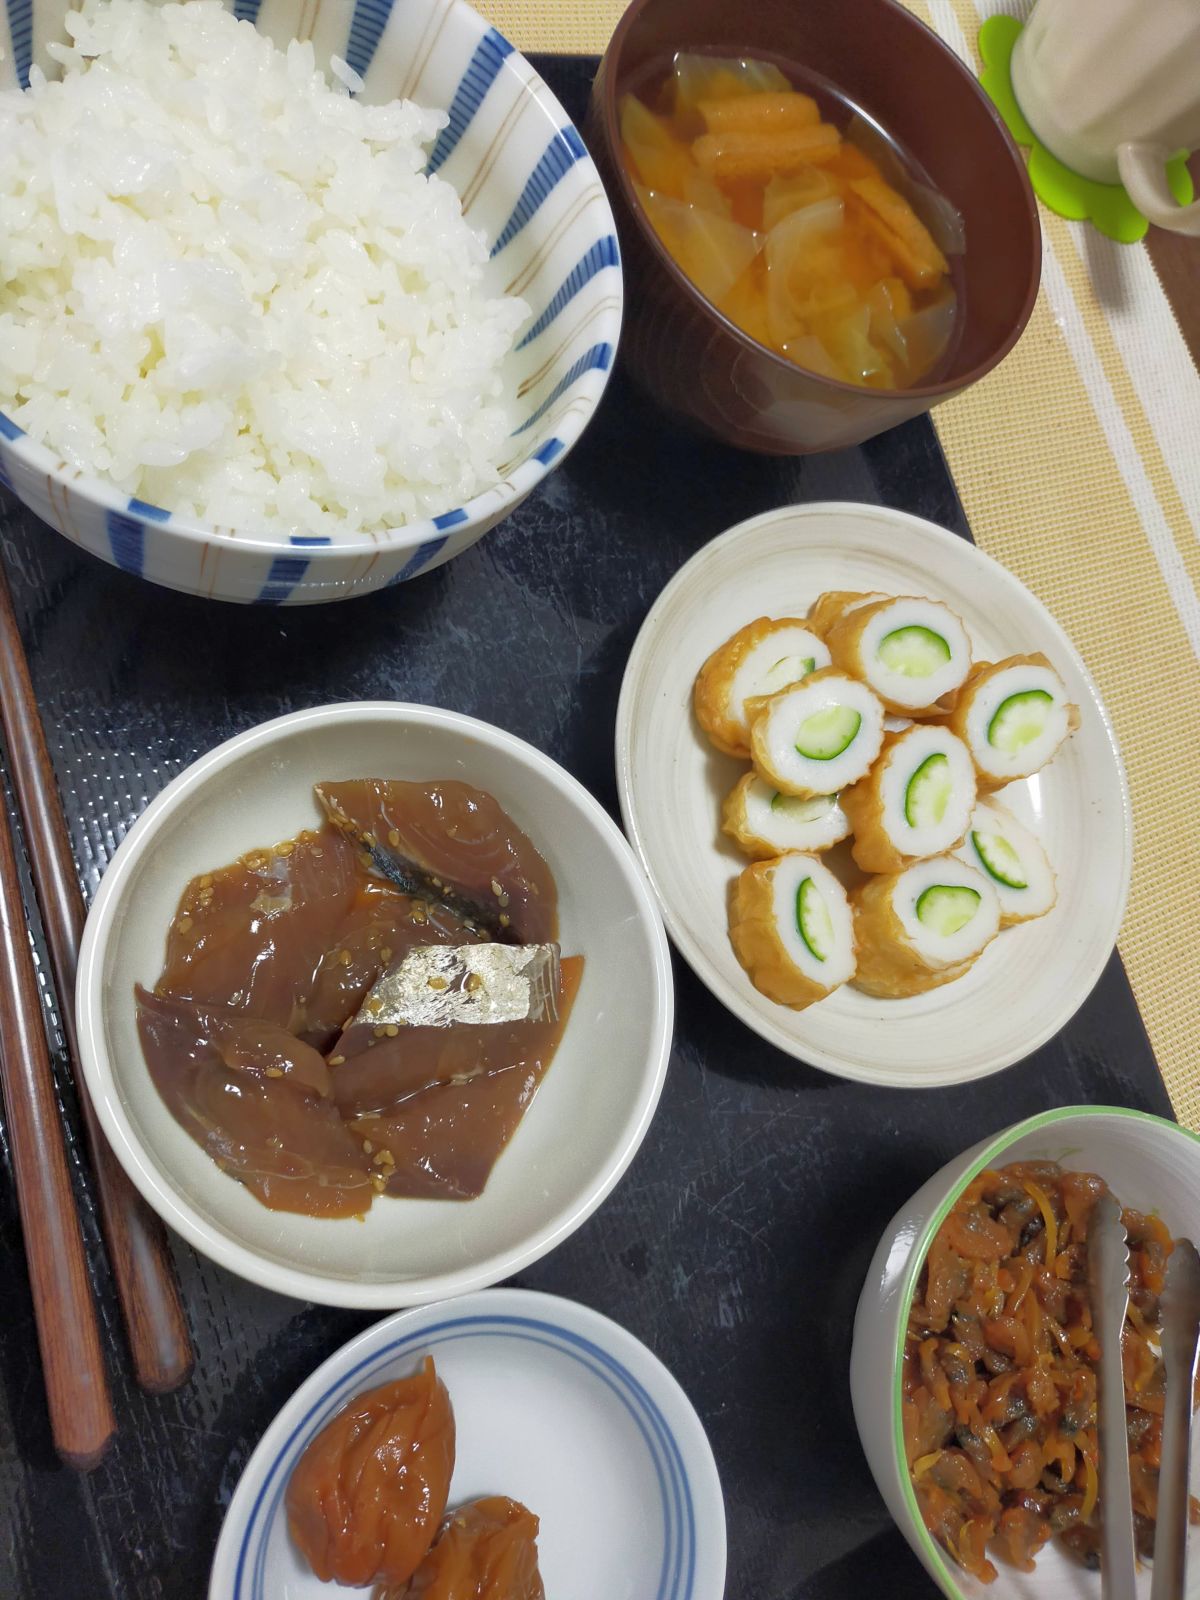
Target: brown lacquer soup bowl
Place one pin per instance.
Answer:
(696, 363)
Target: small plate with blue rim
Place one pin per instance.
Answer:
(555, 1406)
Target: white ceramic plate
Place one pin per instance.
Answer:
(1032, 979)
(555, 1406)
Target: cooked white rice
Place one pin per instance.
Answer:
(231, 289)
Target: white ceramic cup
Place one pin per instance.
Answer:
(1112, 88)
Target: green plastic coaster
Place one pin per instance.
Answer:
(1105, 205)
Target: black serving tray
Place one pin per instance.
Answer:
(736, 1245)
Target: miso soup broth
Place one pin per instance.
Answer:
(799, 217)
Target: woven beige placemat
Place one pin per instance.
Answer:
(571, 27)
(1072, 465)
(1075, 469)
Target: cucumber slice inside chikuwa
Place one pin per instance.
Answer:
(813, 922)
(944, 908)
(999, 859)
(913, 652)
(788, 669)
(1019, 720)
(928, 792)
(827, 733)
(791, 805)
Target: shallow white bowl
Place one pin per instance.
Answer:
(526, 181)
(1150, 1165)
(555, 1406)
(672, 782)
(591, 1111)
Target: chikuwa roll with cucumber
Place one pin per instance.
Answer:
(791, 929)
(1012, 715)
(763, 657)
(817, 737)
(1012, 860)
(829, 607)
(921, 927)
(916, 800)
(910, 651)
(765, 823)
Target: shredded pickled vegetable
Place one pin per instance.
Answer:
(1000, 1423)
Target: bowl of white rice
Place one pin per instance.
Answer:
(296, 301)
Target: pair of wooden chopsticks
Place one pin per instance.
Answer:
(1179, 1304)
(76, 1380)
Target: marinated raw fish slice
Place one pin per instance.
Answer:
(244, 1044)
(376, 1066)
(487, 1550)
(444, 986)
(420, 885)
(434, 1107)
(380, 928)
(452, 845)
(256, 1100)
(366, 1497)
(443, 1141)
(284, 945)
(253, 935)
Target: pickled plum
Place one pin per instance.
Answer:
(365, 1499)
(487, 1550)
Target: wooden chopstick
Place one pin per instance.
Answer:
(137, 1245)
(81, 1416)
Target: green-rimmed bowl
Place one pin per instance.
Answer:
(1151, 1165)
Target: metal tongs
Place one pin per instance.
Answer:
(1108, 1278)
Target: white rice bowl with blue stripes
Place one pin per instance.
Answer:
(232, 290)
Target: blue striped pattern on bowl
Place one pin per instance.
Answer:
(669, 1539)
(525, 180)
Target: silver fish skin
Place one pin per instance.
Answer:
(443, 986)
